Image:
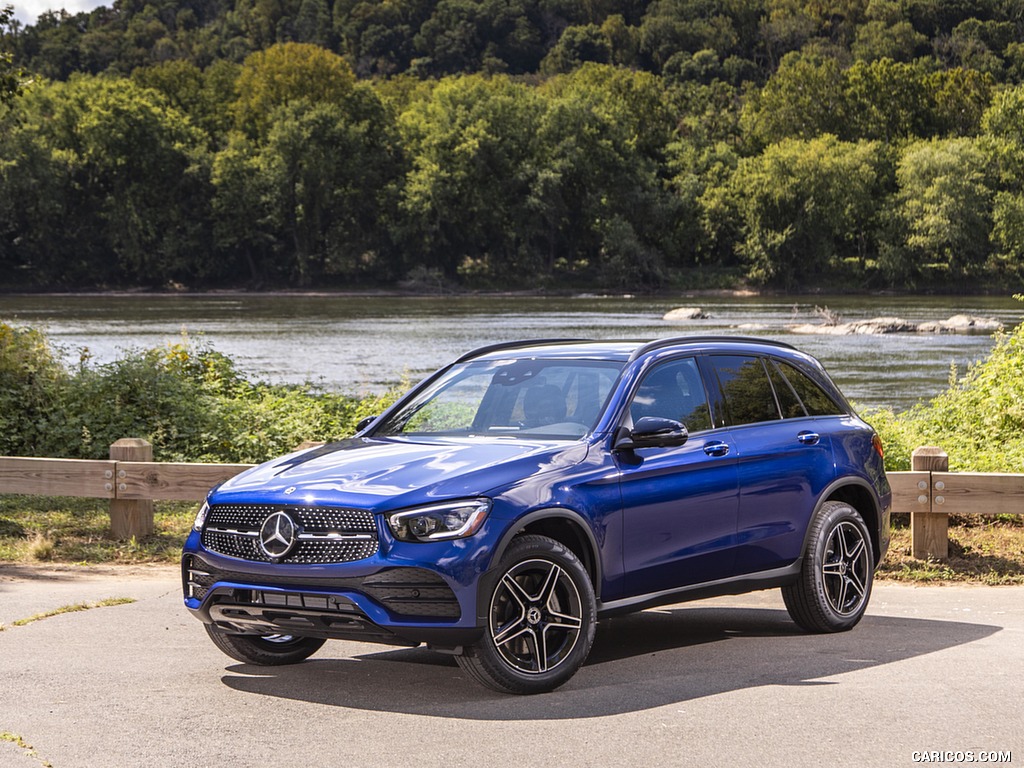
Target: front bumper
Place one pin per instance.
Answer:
(393, 605)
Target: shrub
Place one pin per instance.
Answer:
(33, 382)
(978, 420)
(186, 399)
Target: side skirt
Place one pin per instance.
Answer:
(734, 585)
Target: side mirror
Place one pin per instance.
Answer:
(364, 423)
(652, 432)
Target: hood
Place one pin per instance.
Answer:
(389, 473)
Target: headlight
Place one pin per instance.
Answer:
(452, 520)
(201, 516)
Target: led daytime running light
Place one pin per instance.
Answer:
(439, 522)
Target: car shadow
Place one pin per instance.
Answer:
(638, 662)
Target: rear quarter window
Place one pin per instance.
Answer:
(815, 399)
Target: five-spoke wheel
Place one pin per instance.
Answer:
(536, 616)
(832, 591)
(540, 620)
(846, 568)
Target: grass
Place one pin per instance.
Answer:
(40, 529)
(33, 529)
(982, 550)
(27, 749)
(73, 608)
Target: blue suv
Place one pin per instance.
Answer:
(526, 491)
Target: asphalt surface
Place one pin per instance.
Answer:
(724, 682)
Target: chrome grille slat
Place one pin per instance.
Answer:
(326, 534)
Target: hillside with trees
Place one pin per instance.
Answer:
(533, 144)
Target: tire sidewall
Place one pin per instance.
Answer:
(506, 677)
(829, 518)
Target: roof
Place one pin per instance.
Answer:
(623, 350)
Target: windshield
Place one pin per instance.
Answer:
(540, 398)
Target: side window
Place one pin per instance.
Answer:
(790, 404)
(748, 393)
(815, 399)
(673, 390)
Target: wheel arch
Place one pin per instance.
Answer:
(564, 526)
(859, 495)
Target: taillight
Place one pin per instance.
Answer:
(876, 443)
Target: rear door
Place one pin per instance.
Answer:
(784, 458)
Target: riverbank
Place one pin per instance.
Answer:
(361, 343)
(734, 291)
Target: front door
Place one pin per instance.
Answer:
(680, 503)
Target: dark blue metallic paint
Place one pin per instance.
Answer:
(651, 521)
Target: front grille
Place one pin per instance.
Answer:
(405, 592)
(324, 534)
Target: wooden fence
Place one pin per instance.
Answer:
(131, 480)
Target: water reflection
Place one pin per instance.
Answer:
(367, 343)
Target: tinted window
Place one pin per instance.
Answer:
(788, 401)
(815, 399)
(748, 393)
(673, 390)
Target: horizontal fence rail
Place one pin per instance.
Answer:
(131, 481)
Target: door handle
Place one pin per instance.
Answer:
(716, 449)
(808, 438)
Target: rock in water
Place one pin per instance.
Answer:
(683, 314)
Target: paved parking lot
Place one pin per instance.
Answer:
(724, 682)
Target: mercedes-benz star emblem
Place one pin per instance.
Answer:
(277, 536)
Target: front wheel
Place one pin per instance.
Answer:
(541, 620)
(264, 650)
(834, 586)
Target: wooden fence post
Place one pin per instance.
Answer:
(929, 530)
(130, 518)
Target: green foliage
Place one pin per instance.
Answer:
(576, 46)
(470, 144)
(86, 171)
(944, 202)
(32, 383)
(285, 74)
(11, 76)
(511, 143)
(978, 420)
(805, 203)
(186, 399)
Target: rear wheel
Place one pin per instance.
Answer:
(832, 592)
(541, 620)
(265, 650)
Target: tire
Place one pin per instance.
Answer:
(264, 650)
(835, 582)
(541, 618)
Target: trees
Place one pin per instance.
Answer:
(284, 74)
(944, 203)
(805, 203)
(105, 183)
(803, 99)
(625, 140)
(328, 170)
(10, 76)
(469, 146)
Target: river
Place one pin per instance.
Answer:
(360, 344)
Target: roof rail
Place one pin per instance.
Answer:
(659, 343)
(514, 345)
